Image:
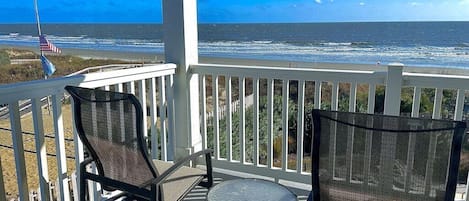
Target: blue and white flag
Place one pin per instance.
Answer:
(47, 66)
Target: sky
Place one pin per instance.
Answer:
(237, 11)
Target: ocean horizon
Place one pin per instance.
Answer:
(429, 44)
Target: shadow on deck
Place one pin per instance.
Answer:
(200, 193)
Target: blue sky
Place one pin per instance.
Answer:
(237, 11)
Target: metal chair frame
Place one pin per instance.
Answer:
(318, 116)
(149, 190)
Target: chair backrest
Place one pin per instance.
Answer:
(110, 127)
(358, 156)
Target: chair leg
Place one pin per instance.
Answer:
(155, 193)
(82, 182)
(208, 163)
(310, 196)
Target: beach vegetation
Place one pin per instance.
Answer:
(426, 107)
(32, 70)
(4, 58)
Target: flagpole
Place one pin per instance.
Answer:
(37, 19)
(40, 50)
(39, 29)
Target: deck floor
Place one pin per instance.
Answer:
(301, 190)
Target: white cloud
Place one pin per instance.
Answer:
(362, 3)
(415, 3)
(318, 1)
(464, 2)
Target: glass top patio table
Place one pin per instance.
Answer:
(250, 189)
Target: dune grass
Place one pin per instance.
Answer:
(64, 64)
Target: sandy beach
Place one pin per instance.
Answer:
(141, 57)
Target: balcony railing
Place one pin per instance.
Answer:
(255, 138)
(149, 83)
(257, 151)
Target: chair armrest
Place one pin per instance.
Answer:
(179, 164)
(85, 162)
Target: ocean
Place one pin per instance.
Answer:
(429, 44)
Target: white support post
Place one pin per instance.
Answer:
(79, 153)
(18, 150)
(108, 116)
(256, 120)
(229, 121)
(142, 95)
(353, 97)
(60, 147)
(285, 93)
(242, 119)
(392, 99)
(203, 110)
(153, 119)
(437, 103)
(270, 123)
(164, 105)
(416, 102)
(317, 94)
(335, 96)
(41, 151)
(392, 102)
(2, 184)
(369, 137)
(170, 147)
(300, 126)
(459, 108)
(371, 98)
(180, 31)
(216, 117)
(433, 143)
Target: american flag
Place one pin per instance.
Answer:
(47, 46)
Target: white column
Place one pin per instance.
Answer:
(392, 99)
(392, 102)
(180, 31)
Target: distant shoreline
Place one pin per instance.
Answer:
(143, 57)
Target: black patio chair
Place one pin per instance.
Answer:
(110, 127)
(367, 157)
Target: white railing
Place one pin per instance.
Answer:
(265, 164)
(314, 87)
(262, 144)
(150, 81)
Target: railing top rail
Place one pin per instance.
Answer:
(107, 68)
(435, 81)
(39, 88)
(433, 75)
(376, 77)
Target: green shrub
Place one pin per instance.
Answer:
(4, 58)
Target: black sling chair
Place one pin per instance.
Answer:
(110, 127)
(370, 157)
